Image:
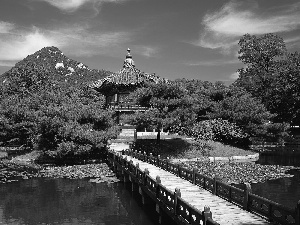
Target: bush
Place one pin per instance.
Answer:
(219, 130)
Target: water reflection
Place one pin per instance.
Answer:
(279, 159)
(64, 201)
(286, 190)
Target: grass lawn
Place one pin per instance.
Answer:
(174, 146)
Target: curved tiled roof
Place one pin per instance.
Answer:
(129, 75)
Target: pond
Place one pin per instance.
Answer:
(285, 190)
(69, 201)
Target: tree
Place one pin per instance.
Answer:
(62, 120)
(244, 110)
(272, 75)
(261, 51)
(260, 56)
(284, 97)
(167, 104)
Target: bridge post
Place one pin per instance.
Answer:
(177, 194)
(157, 208)
(137, 166)
(151, 157)
(216, 178)
(158, 181)
(158, 159)
(167, 166)
(247, 191)
(146, 172)
(135, 135)
(298, 213)
(178, 168)
(206, 214)
(194, 175)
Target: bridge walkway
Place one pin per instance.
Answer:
(223, 211)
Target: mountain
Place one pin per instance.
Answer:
(51, 64)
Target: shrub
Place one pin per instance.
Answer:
(219, 130)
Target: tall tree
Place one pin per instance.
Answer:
(284, 97)
(260, 56)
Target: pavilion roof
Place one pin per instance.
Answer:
(129, 75)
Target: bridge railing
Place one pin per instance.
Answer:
(170, 201)
(263, 207)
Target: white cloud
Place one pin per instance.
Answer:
(15, 47)
(7, 63)
(292, 40)
(81, 41)
(76, 40)
(212, 62)
(234, 76)
(223, 28)
(73, 5)
(147, 51)
(6, 27)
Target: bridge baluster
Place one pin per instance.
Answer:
(177, 194)
(207, 214)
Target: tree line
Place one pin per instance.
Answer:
(263, 102)
(64, 121)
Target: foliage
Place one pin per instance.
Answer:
(40, 111)
(239, 107)
(174, 147)
(277, 132)
(179, 105)
(260, 56)
(272, 75)
(284, 92)
(166, 104)
(50, 65)
(218, 130)
(261, 51)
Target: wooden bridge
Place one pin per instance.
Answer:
(187, 197)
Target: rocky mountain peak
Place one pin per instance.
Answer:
(50, 62)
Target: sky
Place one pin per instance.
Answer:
(194, 39)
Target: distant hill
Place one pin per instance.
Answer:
(51, 64)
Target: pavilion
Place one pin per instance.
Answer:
(117, 87)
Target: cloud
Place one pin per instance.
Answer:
(6, 27)
(70, 6)
(7, 63)
(76, 40)
(234, 76)
(147, 51)
(212, 62)
(15, 47)
(223, 28)
(83, 41)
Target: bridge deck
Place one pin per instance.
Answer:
(223, 211)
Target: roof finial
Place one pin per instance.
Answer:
(128, 53)
(128, 62)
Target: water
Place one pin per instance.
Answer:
(285, 191)
(66, 201)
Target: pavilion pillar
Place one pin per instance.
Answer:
(116, 98)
